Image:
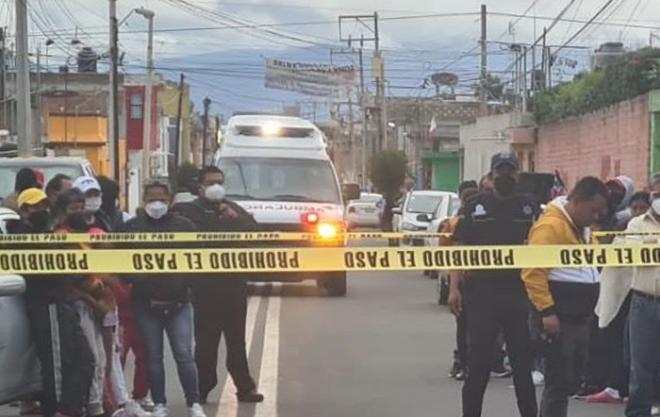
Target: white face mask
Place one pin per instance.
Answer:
(93, 204)
(655, 205)
(215, 192)
(156, 209)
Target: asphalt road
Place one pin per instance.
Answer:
(383, 350)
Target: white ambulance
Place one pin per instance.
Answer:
(279, 170)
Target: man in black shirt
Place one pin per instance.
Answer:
(220, 301)
(496, 299)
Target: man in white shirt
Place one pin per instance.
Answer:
(644, 319)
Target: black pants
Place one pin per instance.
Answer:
(67, 363)
(615, 338)
(221, 310)
(491, 309)
(565, 358)
(461, 352)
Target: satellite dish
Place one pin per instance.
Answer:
(444, 78)
(447, 79)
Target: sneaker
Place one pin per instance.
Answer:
(586, 390)
(250, 397)
(160, 410)
(462, 375)
(606, 396)
(538, 378)
(30, 408)
(455, 369)
(655, 410)
(501, 372)
(134, 409)
(196, 410)
(146, 403)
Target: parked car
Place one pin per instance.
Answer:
(20, 377)
(50, 166)
(420, 209)
(365, 212)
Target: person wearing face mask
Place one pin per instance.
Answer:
(565, 298)
(643, 320)
(220, 302)
(495, 300)
(67, 362)
(162, 304)
(94, 216)
(612, 310)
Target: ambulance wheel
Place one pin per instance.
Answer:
(334, 284)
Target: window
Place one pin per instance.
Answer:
(423, 203)
(276, 179)
(137, 104)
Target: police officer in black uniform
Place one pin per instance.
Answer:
(496, 299)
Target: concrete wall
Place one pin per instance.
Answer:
(607, 143)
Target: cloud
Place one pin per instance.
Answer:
(413, 48)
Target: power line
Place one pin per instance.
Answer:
(586, 25)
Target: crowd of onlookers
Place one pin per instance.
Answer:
(588, 333)
(85, 326)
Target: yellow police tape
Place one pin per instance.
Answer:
(202, 237)
(123, 261)
(186, 237)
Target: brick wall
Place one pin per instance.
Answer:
(607, 143)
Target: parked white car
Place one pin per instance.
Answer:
(20, 376)
(420, 209)
(365, 212)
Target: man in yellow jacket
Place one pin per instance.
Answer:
(565, 297)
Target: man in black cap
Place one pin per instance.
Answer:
(496, 299)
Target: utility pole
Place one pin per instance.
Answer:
(524, 80)
(205, 129)
(544, 58)
(368, 145)
(37, 103)
(484, 55)
(363, 108)
(23, 107)
(177, 134)
(3, 79)
(378, 66)
(147, 119)
(113, 96)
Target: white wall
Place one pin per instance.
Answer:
(488, 136)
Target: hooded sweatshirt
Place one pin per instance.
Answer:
(567, 292)
(622, 213)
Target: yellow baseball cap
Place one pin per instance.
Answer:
(31, 196)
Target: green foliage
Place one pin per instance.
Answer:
(387, 172)
(635, 73)
(493, 86)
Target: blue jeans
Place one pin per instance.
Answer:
(644, 332)
(180, 332)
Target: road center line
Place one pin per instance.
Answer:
(228, 403)
(268, 376)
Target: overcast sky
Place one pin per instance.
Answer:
(227, 64)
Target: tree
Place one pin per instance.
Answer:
(186, 178)
(387, 172)
(493, 86)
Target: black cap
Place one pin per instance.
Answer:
(504, 158)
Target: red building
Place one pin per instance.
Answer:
(134, 96)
